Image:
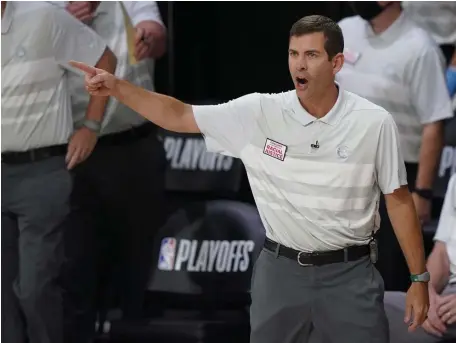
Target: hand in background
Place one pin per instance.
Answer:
(434, 325)
(423, 208)
(80, 146)
(447, 309)
(82, 10)
(143, 43)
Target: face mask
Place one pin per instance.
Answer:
(367, 10)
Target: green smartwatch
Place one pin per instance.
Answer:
(425, 277)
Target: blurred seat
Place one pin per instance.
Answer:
(201, 277)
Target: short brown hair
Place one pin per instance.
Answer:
(317, 23)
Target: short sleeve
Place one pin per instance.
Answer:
(429, 93)
(73, 40)
(389, 163)
(447, 221)
(143, 11)
(227, 128)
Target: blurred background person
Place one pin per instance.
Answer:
(119, 191)
(395, 64)
(438, 18)
(37, 42)
(440, 326)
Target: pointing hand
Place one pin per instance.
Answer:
(98, 82)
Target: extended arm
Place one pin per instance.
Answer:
(227, 127)
(167, 112)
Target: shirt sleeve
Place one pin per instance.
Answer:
(428, 90)
(447, 221)
(73, 40)
(228, 128)
(389, 164)
(143, 10)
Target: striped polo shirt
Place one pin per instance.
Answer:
(316, 182)
(38, 40)
(402, 70)
(108, 23)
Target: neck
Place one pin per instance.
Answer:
(386, 18)
(3, 7)
(319, 106)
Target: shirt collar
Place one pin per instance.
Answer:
(331, 118)
(7, 19)
(390, 34)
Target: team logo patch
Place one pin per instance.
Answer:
(342, 151)
(167, 254)
(275, 149)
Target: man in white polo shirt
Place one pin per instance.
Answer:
(317, 158)
(440, 326)
(395, 64)
(125, 175)
(39, 145)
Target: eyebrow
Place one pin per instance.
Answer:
(307, 51)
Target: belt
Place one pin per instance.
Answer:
(33, 155)
(129, 136)
(320, 258)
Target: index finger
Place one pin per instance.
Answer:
(83, 67)
(139, 35)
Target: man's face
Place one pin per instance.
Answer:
(310, 68)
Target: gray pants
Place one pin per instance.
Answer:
(340, 302)
(35, 202)
(395, 310)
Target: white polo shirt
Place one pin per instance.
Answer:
(310, 199)
(446, 231)
(38, 40)
(401, 70)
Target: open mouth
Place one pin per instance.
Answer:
(301, 81)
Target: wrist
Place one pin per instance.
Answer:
(117, 88)
(92, 125)
(420, 278)
(425, 193)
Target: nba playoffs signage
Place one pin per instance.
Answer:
(207, 246)
(190, 167)
(204, 256)
(447, 168)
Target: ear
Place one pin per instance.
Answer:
(338, 62)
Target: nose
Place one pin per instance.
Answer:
(301, 65)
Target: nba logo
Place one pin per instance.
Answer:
(167, 254)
